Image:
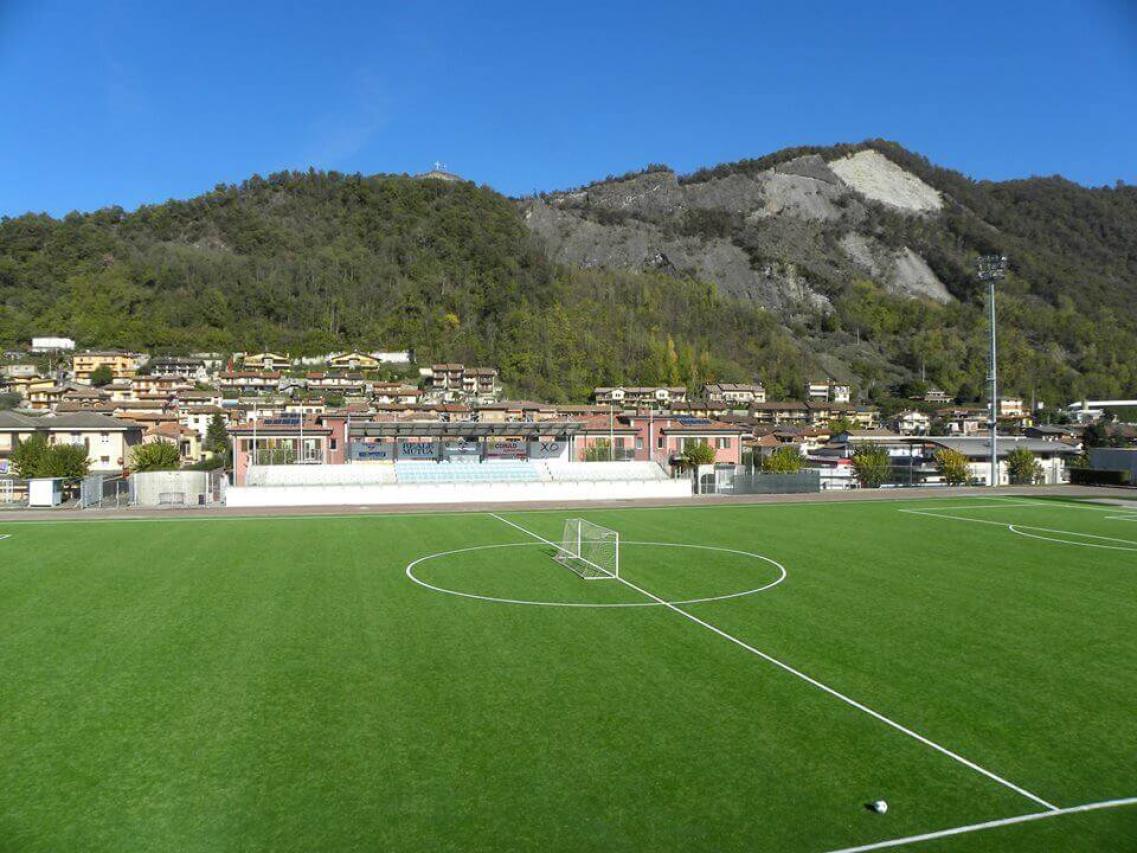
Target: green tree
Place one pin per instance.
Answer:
(158, 455)
(871, 465)
(699, 454)
(840, 425)
(784, 460)
(953, 467)
(27, 456)
(102, 375)
(65, 460)
(1022, 468)
(216, 435)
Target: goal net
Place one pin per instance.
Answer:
(589, 550)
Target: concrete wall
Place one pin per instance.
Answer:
(148, 487)
(439, 493)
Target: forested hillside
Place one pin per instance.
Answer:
(312, 262)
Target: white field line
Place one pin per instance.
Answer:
(813, 681)
(409, 572)
(1039, 502)
(5, 536)
(1020, 530)
(379, 513)
(1129, 544)
(953, 517)
(990, 824)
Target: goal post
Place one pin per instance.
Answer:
(589, 550)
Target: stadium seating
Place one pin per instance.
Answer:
(563, 472)
(320, 475)
(418, 471)
(449, 472)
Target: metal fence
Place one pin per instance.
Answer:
(13, 492)
(743, 481)
(156, 489)
(102, 491)
(171, 488)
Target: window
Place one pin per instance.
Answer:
(104, 459)
(639, 443)
(659, 441)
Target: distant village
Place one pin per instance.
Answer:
(378, 406)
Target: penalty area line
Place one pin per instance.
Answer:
(848, 700)
(990, 824)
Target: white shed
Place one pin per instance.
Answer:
(45, 491)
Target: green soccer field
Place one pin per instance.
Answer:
(755, 678)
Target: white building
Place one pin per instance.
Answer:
(1011, 407)
(827, 391)
(660, 396)
(393, 357)
(734, 392)
(50, 344)
(1052, 456)
(913, 423)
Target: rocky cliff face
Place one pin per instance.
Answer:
(788, 238)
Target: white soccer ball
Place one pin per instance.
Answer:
(880, 807)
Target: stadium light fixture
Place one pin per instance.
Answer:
(992, 268)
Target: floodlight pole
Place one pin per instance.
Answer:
(992, 268)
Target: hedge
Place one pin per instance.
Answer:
(1098, 477)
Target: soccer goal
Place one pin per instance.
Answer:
(589, 550)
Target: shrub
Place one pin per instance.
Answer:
(155, 456)
(1022, 468)
(872, 466)
(784, 460)
(953, 467)
(699, 454)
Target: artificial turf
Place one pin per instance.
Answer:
(222, 684)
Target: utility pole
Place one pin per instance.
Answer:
(611, 432)
(992, 268)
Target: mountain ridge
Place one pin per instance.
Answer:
(776, 267)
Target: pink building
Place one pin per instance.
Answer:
(287, 440)
(646, 437)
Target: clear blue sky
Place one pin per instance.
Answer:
(134, 102)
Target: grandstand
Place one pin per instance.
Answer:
(416, 481)
(468, 472)
(319, 475)
(597, 472)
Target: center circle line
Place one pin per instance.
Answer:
(584, 604)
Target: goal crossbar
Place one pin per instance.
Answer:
(590, 551)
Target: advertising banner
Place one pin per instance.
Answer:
(505, 448)
(462, 451)
(372, 451)
(548, 449)
(418, 450)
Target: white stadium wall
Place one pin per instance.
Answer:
(159, 488)
(454, 493)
